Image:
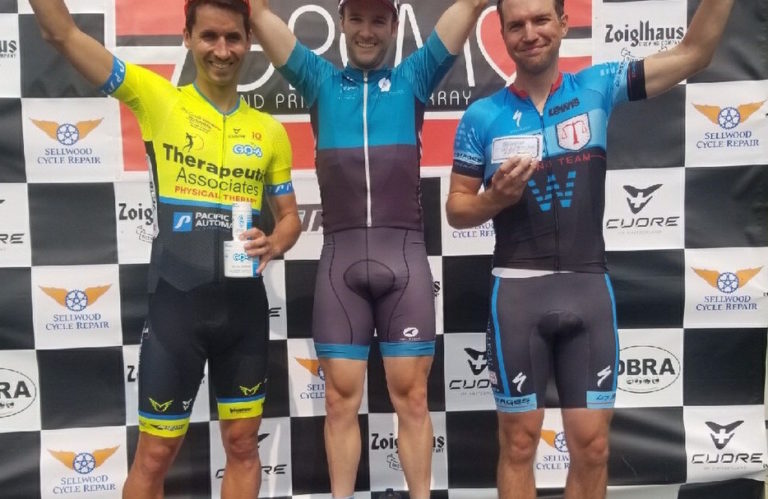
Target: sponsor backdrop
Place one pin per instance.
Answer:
(686, 225)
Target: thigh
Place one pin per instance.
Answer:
(344, 378)
(404, 309)
(587, 361)
(342, 317)
(171, 363)
(239, 351)
(518, 355)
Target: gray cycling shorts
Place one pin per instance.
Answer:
(374, 278)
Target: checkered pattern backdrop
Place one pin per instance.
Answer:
(685, 225)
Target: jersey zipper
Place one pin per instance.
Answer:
(219, 238)
(550, 171)
(368, 217)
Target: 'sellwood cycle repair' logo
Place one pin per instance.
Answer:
(67, 134)
(76, 300)
(83, 462)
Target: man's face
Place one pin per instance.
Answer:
(218, 43)
(369, 27)
(532, 32)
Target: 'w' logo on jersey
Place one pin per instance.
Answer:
(554, 189)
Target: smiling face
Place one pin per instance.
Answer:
(218, 43)
(532, 31)
(369, 27)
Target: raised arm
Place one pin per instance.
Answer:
(454, 25)
(86, 54)
(694, 53)
(272, 33)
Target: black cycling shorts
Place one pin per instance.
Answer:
(224, 323)
(563, 321)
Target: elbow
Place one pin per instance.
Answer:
(51, 38)
(455, 220)
(57, 39)
(478, 6)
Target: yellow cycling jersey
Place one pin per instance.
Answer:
(201, 161)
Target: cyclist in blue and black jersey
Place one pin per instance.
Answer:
(373, 271)
(538, 148)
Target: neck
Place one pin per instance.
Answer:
(537, 85)
(224, 98)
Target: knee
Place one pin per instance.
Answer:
(590, 452)
(410, 401)
(340, 405)
(517, 446)
(154, 460)
(242, 446)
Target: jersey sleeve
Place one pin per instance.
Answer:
(278, 178)
(468, 149)
(617, 82)
(427, 66)
(144, 92)
(305, 70)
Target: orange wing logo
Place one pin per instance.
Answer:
(51, 129)
(311, 365)
(549, 437)
(746, 110)
(68, 458)
(713, 112)
(91, 294)
(708, 275)
(712, 277)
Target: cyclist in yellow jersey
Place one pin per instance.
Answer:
(206, 150)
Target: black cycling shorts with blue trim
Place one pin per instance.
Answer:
(225, 323)
(374, 278)
(564, 323)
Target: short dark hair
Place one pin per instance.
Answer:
(238, 6)
(559, 9)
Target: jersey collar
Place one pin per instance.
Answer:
(227, 113)
(358, 75)
(524, 95)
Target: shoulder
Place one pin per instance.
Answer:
(485, 109)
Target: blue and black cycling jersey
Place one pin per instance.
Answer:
(367, 127)
(557, 225)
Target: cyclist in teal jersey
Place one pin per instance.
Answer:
(538, 148)
(206, 149)
(373, 272)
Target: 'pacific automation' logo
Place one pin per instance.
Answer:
(728, 117)
(76, 300)
(67, 134)
(554, 189)
(313, 366)
(727, 282)
(83, 462)
(182, 221)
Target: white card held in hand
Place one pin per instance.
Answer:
(516, 145)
